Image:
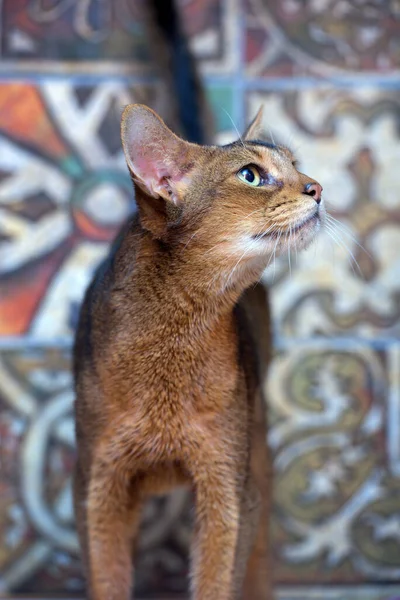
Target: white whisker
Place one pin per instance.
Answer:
(295, 246)
(346, 231)
(237, 264)
(215, 246)
(271, 135)
(289, 140)
(290, 244)
(264, 232)
(190, 239)
(336, 237)
(234, 125)
(254, 212)
(274, 252)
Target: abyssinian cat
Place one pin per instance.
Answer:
(170, 350)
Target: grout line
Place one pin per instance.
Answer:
(285, 343)
(29, 342)
(342, 81)
(238, 78)
(79, 78)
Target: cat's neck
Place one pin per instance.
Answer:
(177, 290)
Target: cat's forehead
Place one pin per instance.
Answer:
(260, 151)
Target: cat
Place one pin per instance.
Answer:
(171, 350)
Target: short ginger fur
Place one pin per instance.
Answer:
(171, 352)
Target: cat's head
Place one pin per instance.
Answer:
(232, 206)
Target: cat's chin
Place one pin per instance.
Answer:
(298, 238)
(305, 233)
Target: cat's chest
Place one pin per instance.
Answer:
(174, 396)
(177, 374)
(177, 411)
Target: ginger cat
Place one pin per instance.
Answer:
(170, 353)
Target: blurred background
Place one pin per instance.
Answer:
(328, 75)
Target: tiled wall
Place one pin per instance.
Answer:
(328, 74)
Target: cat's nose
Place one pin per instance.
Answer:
(314, 190)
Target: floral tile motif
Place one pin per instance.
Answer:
(328, 38)
(64, 192)
(38, 544)
(213, 33)
(349, 141)
(37, 434)
(337, 496)
(36, 30)
(95, 36)
(387, 592)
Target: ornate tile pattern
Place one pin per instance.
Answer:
(212, 28)
(336, 490)
(355, 291)
(36, 30)
(328, 75)
(111, 37)
(64, 192)
(38, 546)
(328, 38)
(340, 593)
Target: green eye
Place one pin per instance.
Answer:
(250, 175)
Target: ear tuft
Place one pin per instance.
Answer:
(155, 155)
(255, 128)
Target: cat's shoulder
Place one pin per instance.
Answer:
(94, 305)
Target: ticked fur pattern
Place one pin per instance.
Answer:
(171, 351)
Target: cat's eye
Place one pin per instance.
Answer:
(250, 175)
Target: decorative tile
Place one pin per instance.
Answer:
(373, 592)
(221, 100)
(348, 282)
(37, 439)
(328, 38)
(337, 513)
(64, 192)
(38, 544)
(36, 34)
(98, 37)
(213, 33)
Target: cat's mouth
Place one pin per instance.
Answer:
(307, 223)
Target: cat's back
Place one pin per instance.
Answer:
(93, 324)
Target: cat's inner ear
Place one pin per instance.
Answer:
(255, 129)
(158, 159)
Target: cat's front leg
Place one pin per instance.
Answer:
(216, 533)
(258, 579)
(112, 515)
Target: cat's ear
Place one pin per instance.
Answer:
(254, 130)
(156, 157)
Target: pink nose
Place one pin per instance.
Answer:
(314, 190)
